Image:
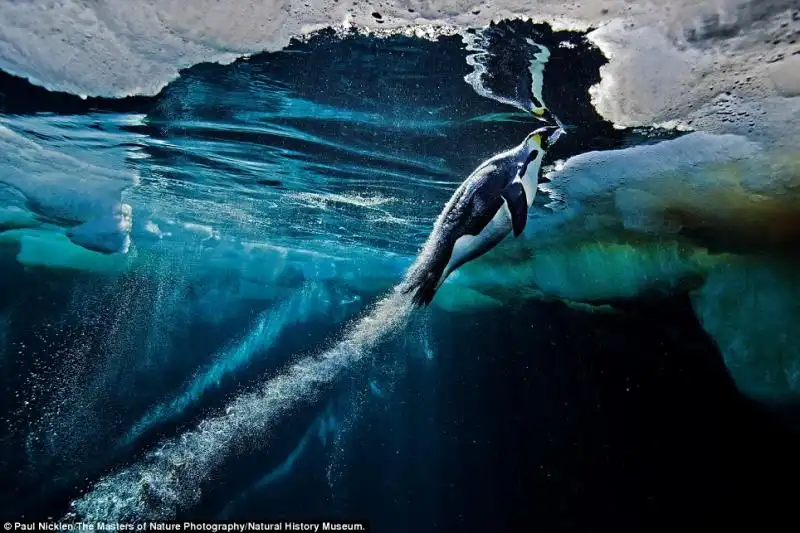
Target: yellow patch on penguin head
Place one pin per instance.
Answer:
(535, 138)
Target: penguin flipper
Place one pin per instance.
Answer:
(514, 195)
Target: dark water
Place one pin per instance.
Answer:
(534, 417)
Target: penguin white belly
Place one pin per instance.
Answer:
(469, 247)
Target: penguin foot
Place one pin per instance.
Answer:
(423, 291)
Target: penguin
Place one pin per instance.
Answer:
(491, 203)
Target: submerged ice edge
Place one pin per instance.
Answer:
(169, 478)
(64, 180)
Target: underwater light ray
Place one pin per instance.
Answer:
(323, 427)
(261, 337)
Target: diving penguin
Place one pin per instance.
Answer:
(492, 202)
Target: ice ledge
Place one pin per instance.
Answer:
(668, 60)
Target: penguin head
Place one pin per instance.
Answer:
(543, 138)
(543, 114)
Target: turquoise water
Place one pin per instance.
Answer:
(197, 318)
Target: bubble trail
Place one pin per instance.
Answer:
(168, 479)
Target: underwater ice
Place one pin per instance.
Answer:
(51, 163)
(712, 213)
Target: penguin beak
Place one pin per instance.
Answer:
(546, 136)
(543, 114)
(555, 135)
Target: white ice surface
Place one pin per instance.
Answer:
(669, 61)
